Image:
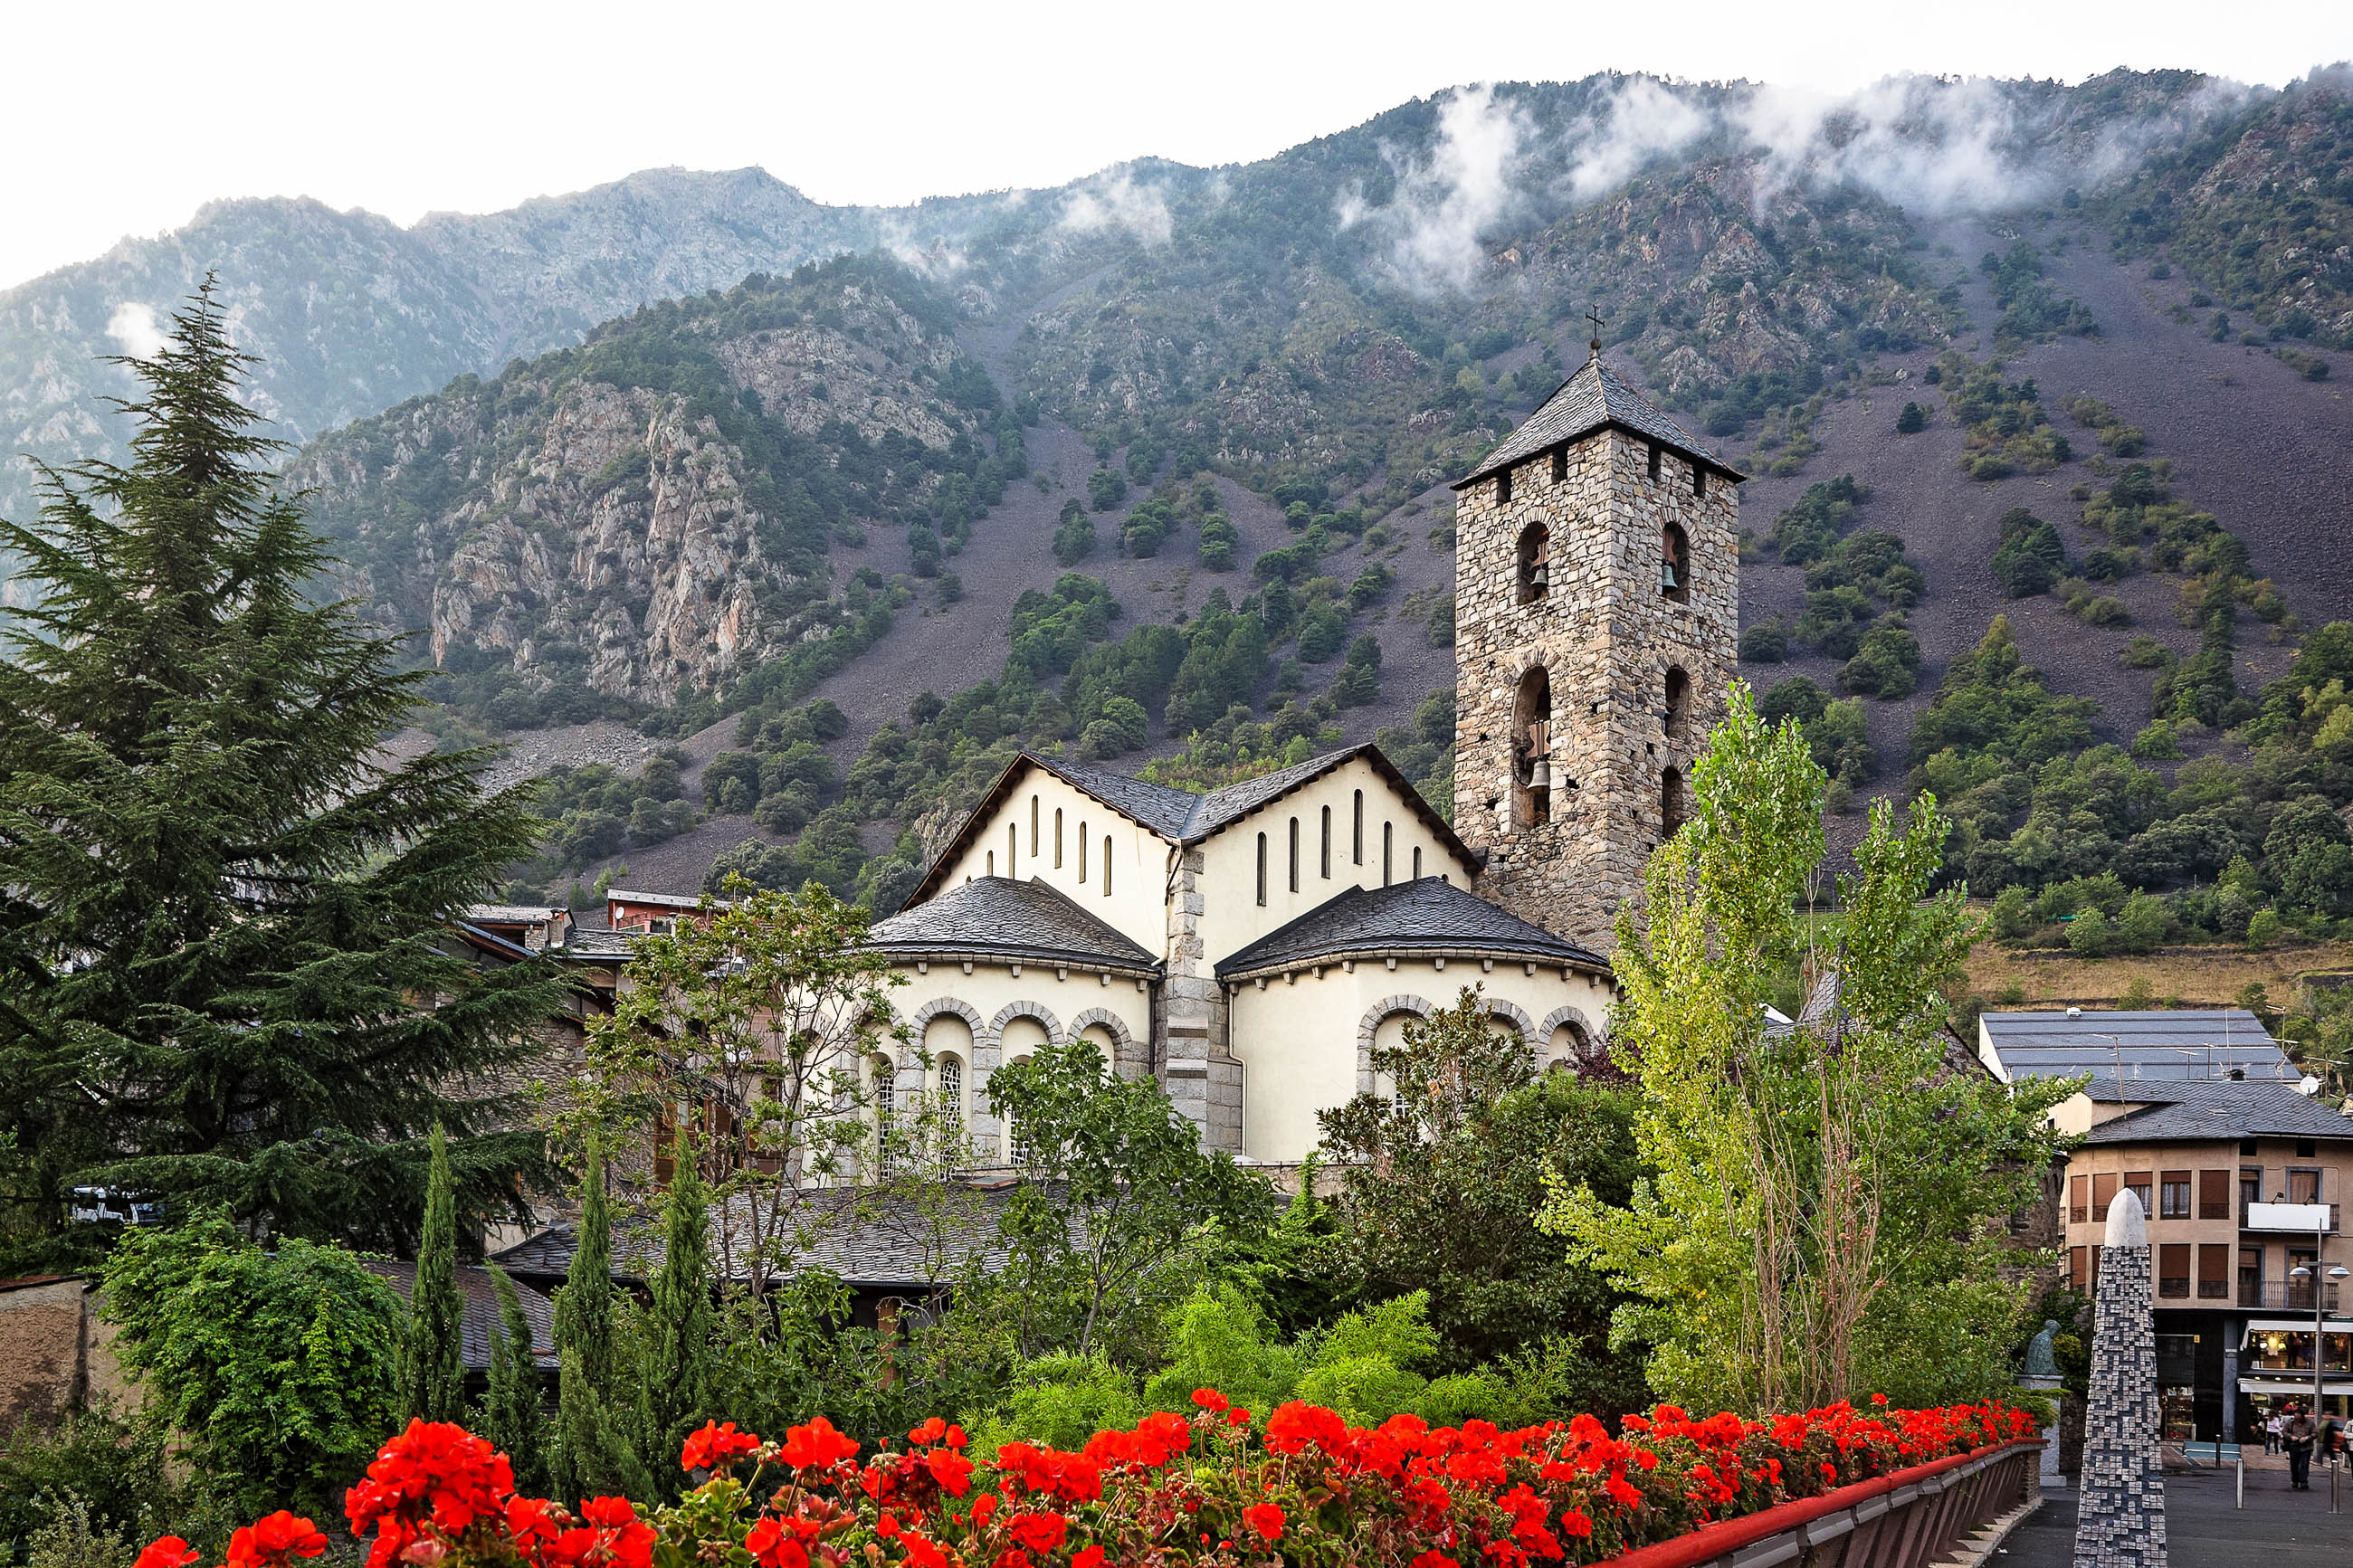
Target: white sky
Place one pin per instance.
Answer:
(123, 118)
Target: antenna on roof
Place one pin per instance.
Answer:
(1593, 314)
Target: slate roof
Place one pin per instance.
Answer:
(861, 1237)
(598, 944)
(997, 915)
(2179, 1045)
(1181, 815)
(1425, 915)
(2217, 1108)
(511, 914)
(481, 1317)
(1586, 402)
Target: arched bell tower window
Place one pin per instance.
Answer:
(1532, 751)
(1674, 564)
(1673, 808)
(1678, 710)
(1535, 563)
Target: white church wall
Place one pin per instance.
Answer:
(1307, 1044)
(1232, 916)
(992, 1016)
(1138, 865)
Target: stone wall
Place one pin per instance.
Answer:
(1606, 636)
(2120, 1522)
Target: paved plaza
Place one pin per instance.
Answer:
(2277, 1529)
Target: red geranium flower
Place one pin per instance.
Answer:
(772, 1548)
(1210, 1400)
(1038, 1531)
(1265, 1518)
(268, 1542)
(715, 1447)
(817, 1447)
(166, 1551)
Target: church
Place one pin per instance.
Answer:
(1252, 948)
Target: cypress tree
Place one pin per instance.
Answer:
(432, 1354)
(598, 1385)
(679, 1328)
(219, 901)
(510, 1416)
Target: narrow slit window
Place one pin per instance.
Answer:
(1012, 846)
(1655, 459)
(1058, 838)
(1106, 865)
(992, 862)
(1328, 844)
(1671, 809)
(1416, 862)
(1699, 480)
(1674, 564)
(1559, 464)
(1356, 836)
(1294, 854)
(1504, 488)
(1033, 827)
(1389, 852)
(1534, 564)
(1083, 852)
(1262, 869)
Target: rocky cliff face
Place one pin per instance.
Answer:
(647, 516)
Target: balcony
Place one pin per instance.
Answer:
(2282, 1295)
(2297, 1219)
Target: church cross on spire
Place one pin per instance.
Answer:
(1593, 314)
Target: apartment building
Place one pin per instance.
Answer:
(2242, 1180)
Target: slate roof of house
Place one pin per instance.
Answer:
(1588, 400)
(480, 1319)
(2172, 1043)
(1425, 915)
(2215, 1109)
(511, 914)
(861, 1237)
(598, 944)
(1181, 815)
(998, 915)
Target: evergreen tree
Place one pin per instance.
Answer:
(218, 899)
(432, 1357)
(598, 1391)
(679, 1327)
(510, 1416)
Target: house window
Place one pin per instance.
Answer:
(1058, 838)
(1504, 488)
(2213, 1272)
(1082, 851)
(1532, 751)
(1357, 834)
(2095, 1251)
(951, 1086)
(2137, 1183)
(2173, 1269)
(1261, 870)
(1674, 564)
(2251, 1277)
(992, 862)
(1655, 459)
(1106, 865)
(2173, 1196)
(1033, 827)
(2078, 1209)
(2250, 1186)
(1678, 710)
(1294, 854)
(1328, 844)
(2104, 1192)
(2076, 1278)
(1699, 480)
(1559, 464)
(1416, 862)
(1671, 807)
(2304, 1148)
(1012, 844)
(2303, 1186)
(2213, 1194)
(1388, 840)
(1535, 563)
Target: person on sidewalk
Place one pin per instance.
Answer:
(2299, 1431)
(2271, 1433)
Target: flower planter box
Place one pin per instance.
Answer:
(1906, 1519)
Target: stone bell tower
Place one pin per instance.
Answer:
(1597, 587)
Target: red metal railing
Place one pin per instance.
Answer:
(1903, 1521)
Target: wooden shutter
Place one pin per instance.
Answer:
(2213, 1194)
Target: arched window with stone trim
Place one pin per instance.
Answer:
(1674, 563)
(884, 1077)
(1535, 563)
(1673, 809)
(1532, 750)
(1677, 713)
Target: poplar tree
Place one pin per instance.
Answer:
(678, 1326)
(226, 975)
(432, 1358)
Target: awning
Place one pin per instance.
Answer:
(2293, 1386)
(2298, 1326)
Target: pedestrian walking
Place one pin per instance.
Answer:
(2299, 1431)
(2271, 1433)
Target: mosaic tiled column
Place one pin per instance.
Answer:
(2120, 1522)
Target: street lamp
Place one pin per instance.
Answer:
(2334, 1273)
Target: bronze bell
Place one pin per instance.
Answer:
(1667, 576)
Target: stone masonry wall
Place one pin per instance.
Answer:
(1201, 1075)
(1606, 636)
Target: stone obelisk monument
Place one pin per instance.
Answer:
(2120, 1522)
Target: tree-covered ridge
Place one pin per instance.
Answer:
(644, 520)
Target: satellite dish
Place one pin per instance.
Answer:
(2309, 1087)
